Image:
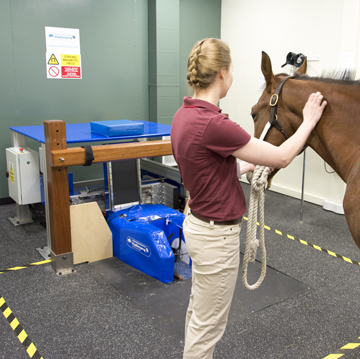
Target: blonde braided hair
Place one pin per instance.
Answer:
(206, 59)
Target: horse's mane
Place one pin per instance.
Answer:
(346, 77)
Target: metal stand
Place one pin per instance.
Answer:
(44, 252)
(23, 215)
(302, 191)
(62, 263)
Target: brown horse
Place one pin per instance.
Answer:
(336, 138)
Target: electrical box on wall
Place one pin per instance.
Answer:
(23, 175)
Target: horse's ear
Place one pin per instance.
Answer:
(303, 68)
(266, 68)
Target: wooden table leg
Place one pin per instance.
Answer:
(58, 200)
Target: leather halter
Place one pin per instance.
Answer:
(273, 121)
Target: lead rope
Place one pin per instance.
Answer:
(257, 196)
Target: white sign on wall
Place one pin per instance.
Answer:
(63, 58)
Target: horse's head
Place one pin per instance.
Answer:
(272, 96)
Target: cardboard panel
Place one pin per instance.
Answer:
(91, 236)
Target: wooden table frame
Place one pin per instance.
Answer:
(58, 159)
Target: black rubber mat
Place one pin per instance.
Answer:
(166, 303)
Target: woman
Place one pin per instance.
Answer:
(206, 144)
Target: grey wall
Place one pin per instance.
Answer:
(164, 49)
(113, 44)
(199, 19)
(114, 59)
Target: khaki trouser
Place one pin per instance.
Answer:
(214, 250)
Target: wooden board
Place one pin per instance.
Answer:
(76, 155)
(90, 234)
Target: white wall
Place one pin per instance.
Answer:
(327, 29)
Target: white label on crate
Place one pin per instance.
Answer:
(138, 246)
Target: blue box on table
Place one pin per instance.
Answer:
(117, 128)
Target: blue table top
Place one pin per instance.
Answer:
(80, 132)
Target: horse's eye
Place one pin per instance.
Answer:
(253, 116)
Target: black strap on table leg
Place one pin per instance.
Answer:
(89, 155)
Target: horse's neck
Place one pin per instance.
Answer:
(321, 148)
(336, 138)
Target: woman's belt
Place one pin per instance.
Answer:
(224, 223)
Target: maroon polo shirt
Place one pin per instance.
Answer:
(203, 140)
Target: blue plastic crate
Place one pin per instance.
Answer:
(142, 237)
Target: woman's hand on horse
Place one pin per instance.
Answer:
(314, 108)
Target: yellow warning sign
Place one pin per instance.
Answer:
(11, 173)
(53, 60)
(70, 60)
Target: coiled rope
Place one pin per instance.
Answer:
(259, 183)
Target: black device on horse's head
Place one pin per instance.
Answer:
(294, 59)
